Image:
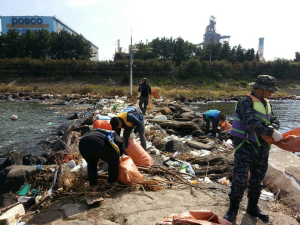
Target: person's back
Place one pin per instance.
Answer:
(145, 89)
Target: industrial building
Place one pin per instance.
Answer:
(211, 36)
(49, 23)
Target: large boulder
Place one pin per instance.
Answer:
(13, 177)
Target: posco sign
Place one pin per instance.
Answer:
(26, 21)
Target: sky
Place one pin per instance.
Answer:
(103, 22)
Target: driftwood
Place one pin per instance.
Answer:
(40, 202)
(175, 124)
(10, 206)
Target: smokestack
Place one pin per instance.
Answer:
(261, 46)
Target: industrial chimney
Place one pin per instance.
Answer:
(261, 46)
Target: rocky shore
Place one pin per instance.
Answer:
(180, 137)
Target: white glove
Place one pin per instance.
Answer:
(277, 136)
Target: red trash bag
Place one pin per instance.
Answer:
(194, 217)
(155, 93)
(128, 172)
(225, 125)
(138, 154)
(102, 124)
(290, 141)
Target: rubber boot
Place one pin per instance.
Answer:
(232, 211)
(254, 210)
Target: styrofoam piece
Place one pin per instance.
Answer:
(10, 217)
(160, 117)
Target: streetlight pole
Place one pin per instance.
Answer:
(131, 63)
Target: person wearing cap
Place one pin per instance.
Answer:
(213, 116)
(131, 119)
(253, 116)
(145, 89)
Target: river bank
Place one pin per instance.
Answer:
(191, 89)
(131, 207)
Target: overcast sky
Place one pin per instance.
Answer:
(103, 22)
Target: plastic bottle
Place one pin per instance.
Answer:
(190, 169)
(183, 168)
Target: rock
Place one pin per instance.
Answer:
(175, 146)
(155, 127)
(199, 145)
(198, 133)
(13, 158)
(182, 98)
(73, 117)
(32, 159)
(7, 199)
(225, 135)
(165, 111)
(181, 133)
(13, 177)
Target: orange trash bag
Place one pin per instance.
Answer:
(194, 217)
(155, 93)
(102, 124)
(138, 154)
(290, 141)
(128, 172)
(225, 125)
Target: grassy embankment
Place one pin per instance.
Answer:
(208, 88)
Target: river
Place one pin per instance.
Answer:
(36, 121)
(34, 118)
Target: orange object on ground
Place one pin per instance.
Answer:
(290, 141)
(225, 125)
(138, 154)
(155, 93)
(67, 159)
(102, 124)
(194, 217)
(128, 172)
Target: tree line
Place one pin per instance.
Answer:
(178, 51)
(41, 44)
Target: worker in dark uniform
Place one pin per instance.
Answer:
(253, 116)
(145, 89)
(105, 145)
(129, 119)
(214, 117)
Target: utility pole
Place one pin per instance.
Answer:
(131, 63)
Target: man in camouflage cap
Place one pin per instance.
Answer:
(253, 116)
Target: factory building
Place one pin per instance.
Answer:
(49, 23)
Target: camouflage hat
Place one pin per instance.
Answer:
(265, 82)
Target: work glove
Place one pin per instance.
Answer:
(277, 136)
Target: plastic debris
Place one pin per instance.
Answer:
(224, 181)
(268, 196)
(160, 117)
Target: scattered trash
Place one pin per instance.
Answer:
(228, 143)
(71, 163)
(268, 196)
(24, 190)
(128, 172)
(194, 217)
(12, 215)
(190, 169)
(49, 124)
(160, 117)
(224, 181)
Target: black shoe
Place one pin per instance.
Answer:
(232, 211)
(254, 210)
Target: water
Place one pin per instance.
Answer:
(31, 127)
(287, 111)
